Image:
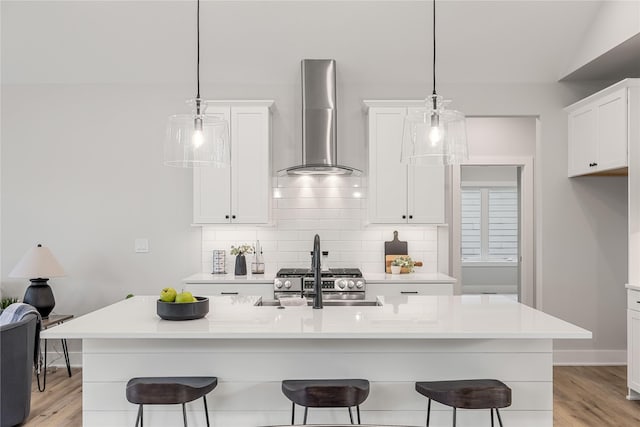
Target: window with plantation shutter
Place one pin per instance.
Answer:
(489, 224)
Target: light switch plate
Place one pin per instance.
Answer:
(142, 245)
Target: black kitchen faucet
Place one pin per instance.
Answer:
(317, 273)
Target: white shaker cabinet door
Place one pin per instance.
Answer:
(387, 175)
(250, 198)
(583, 151)
(612, 130)
(425, 202)
(633, 351)
(212, 187)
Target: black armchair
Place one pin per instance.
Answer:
(18, 353)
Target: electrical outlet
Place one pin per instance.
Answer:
(142, 245)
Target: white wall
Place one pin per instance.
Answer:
(83, 121)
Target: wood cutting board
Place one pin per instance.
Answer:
(395, 247)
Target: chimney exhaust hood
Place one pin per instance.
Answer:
(319, 122)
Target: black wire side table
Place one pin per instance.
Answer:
(52, 320)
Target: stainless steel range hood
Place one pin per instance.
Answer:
(319, 121)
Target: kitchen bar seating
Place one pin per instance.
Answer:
(341, 393)
(467, 394)
(169, 391)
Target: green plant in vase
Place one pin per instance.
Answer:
(241, 261)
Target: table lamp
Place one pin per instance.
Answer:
(38, 265)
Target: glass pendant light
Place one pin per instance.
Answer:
(434, 135)
(197, 139)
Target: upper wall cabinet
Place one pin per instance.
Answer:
(599, 131)
(241, 193)
(399, 193)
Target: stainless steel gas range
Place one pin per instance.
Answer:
(337, 283)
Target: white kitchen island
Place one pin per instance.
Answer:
(252, 348)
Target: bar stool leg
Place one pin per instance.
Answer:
(428, 412)
(293, 413)
(184, 414)
(358, 412)
(206, 410)
(491, 417)
(499, 419)
(350, 414)
(304, 421)
(454, 416)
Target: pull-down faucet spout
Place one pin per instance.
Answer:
(317, 273)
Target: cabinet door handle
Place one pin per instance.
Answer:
(409, 292)
(226, 216)
(410, 216)
(404, 217)
(233, 216)
(228, 293)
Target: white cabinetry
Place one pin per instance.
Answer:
(599, 130)
(399, 193)
(241, 193)
(264, 290)
(395, 289)
(633, 343)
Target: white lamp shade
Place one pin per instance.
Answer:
(37, 263)
(434, 136)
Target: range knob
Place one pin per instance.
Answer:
(287, 284)
(341, 283)
(350, 284)
(278, 283)
(360, 284)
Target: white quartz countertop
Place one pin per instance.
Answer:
(409, 278)
(401, 317)
(632, 287)
(230, 278)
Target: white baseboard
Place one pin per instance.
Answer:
(57, 359)
(589, 357)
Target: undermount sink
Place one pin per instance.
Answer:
(326, 303)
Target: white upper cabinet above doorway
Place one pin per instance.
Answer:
(241, 193)
(600, 130)
(399, 193)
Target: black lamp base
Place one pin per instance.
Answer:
(40, 295)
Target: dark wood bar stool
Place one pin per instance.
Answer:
(343, 393)
(169, 391)
(467, 394)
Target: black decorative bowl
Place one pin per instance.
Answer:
(183, 310)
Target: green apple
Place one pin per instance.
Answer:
(184, 296)
(168, 295)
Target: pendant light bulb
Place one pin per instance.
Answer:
(436, 133)
(198, 137)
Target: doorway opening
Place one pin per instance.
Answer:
(493, 235)
(490, 229)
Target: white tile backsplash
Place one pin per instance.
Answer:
(334, 208)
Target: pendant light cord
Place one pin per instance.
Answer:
(434, 47)
(198, 46)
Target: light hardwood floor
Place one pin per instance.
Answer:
(589, 396)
